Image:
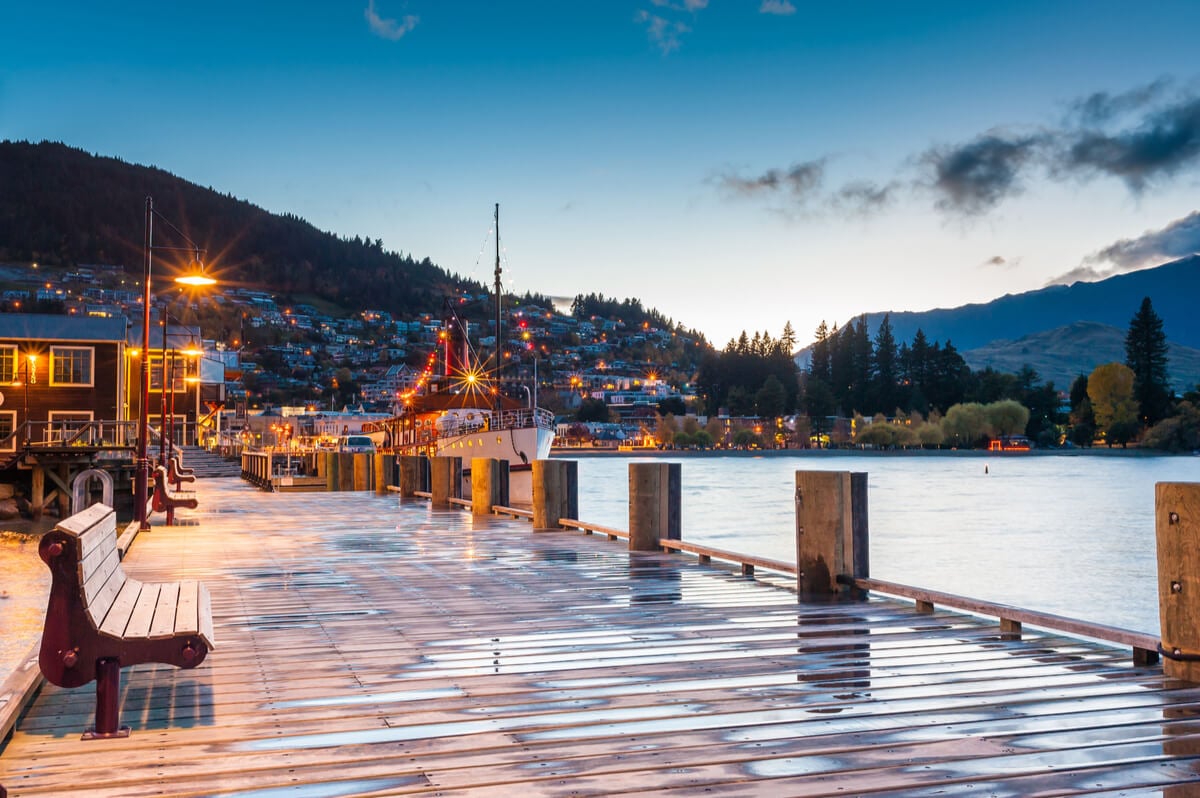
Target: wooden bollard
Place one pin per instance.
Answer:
(331, 471)
(486, 487)
(362, 471)
(1177, 527)
(655, 506)
(385, 465)
(547, 493)
(345, 470)
(831, 532)
(555, 493)
(445, 480)
(410, 475)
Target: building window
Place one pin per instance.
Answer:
(8, 424)
(8, 365)
(71, 365)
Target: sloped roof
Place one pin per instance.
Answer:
(52, 327)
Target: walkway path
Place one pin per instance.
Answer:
(372, 647)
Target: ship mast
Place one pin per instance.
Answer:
(499, 337)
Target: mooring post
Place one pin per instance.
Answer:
(410, 475)
(331, 471)
(547, 494)
(1177, 527)
(655, 504)
(485, 484)
(362, 471)
(385, 472)
(831, 532)
(445, 480)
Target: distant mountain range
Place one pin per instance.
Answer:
(1065, 330)
(1062, 354)
(1174, 288)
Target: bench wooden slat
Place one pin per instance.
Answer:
(122, 608)
(206, 619)
(163, 624)
(186, 620)
(143, 612)
(78, 525)
(103, 585)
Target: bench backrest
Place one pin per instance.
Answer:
(100, 574)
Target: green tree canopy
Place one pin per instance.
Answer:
(1110, 390)
(1146, 355)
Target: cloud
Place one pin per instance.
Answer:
(663, 32)
(782, 8)
(802, 180)
(1102, 107)
(389, 28)
(1178, 239)
(1165, 143)
(975, 177)
(686, 5)
(1001, 262)
(863, 197)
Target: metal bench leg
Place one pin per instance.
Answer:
(108, 701)
(170, 515)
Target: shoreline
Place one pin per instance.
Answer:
(869, 453)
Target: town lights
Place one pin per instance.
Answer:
(195, 276)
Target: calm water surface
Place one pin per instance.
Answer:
(24, 587)
(1069, 534)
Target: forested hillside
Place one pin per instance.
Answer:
(61, 205)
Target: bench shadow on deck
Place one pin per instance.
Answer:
(376, 647)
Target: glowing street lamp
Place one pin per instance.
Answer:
(197, 277)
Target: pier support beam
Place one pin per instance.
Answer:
(831, 532)
(555, 493)
(385, 468)
(655, 504)
(445, 480)
(1177, 528)
(489, 484)
(410, 475)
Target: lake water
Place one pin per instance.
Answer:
(1068, 534)
(1073, 535)
(24, 587)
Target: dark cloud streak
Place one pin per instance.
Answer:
(975, 177)
(1167, 142)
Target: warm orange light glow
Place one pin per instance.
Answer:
(196, 280)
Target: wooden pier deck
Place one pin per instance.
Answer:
(369, 646)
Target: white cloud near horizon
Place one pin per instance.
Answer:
(781, 8)
(391, 29)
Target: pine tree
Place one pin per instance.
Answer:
(1146, 355)
(885, 368)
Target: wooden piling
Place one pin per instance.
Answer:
(362, 470)
(382, 472)
(331, 471)
(486, 488)
(547, 494)
(445, 479)
(410, 475)
(831, 532)
(1177, 527)
(655, 506)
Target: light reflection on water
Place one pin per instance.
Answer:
(1073, 535)
(24, 586)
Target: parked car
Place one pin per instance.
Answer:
(355, 443)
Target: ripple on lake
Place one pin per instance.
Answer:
(1072, 535)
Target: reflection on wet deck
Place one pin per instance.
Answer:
(372, 647)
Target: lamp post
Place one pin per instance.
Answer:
(30, 376)
(141, 480)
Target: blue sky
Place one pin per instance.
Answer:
(735, 163)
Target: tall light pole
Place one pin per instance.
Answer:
(141, 477)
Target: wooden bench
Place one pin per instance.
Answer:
(167, 500)
(176, 473)
(99, 620)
